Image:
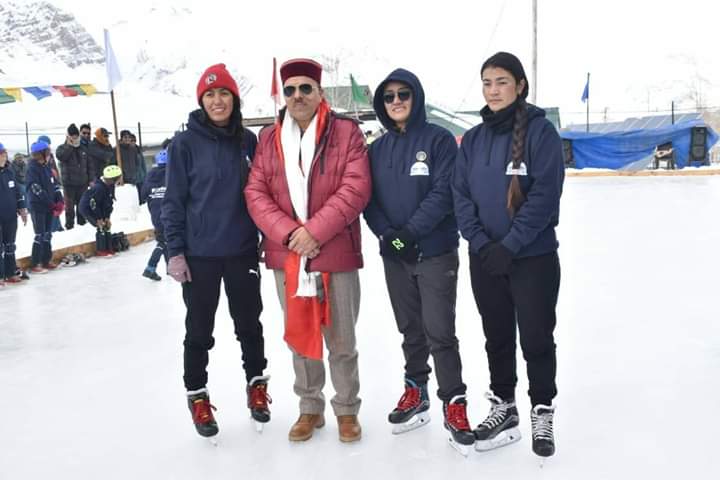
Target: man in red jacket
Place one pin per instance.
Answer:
(309, 182)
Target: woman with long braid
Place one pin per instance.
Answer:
(507, 184)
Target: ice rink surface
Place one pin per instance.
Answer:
(91, 364)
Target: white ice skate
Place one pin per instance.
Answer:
(503, 438)
(416, 421)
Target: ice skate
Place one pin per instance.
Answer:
(412, 409)
(543, 443)
(258, 400)
(201, 410)
(500, 426)
(461, 437)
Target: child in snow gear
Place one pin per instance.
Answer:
(411, 213)
(12, 205)
(211, 238)
(45, 198)
(507, 184)
(96, 205)
(153, 192)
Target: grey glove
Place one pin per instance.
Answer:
(179, 269)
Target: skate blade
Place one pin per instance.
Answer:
(213, 440)
(417, 421)
(259, 426)
(503, 438)
(463, 450)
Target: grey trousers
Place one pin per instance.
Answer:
(339, 338)
(423, 299)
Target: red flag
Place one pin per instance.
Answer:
(66, 90)
(274, 90)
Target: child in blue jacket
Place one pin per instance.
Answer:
(12, 204)
(153, 192)
(96, 205)
(45, 199)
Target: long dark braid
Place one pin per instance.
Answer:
(515, 195)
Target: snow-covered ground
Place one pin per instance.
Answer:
(91, 360)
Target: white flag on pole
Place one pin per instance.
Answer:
(111, 64)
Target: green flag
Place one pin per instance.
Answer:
(358, 96)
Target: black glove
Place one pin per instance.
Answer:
(495, 258)
(401, 244)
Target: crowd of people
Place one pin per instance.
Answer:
(76, 181)
(223, 199)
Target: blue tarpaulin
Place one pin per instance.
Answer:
(617, 150)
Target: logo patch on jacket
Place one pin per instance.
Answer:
(420, 168)
(521, 170)
(11, 184)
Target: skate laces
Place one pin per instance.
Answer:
(456, 414)
(542, 423)
(410, 399)
(202, 411)
(498, 411)
(259, 398)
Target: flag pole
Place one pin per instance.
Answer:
(587, 106)
(115, 131)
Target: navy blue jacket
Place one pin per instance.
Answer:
(204, 211)
(480, 187)
(11, 198)
(97, 201)
(411, 174)
(153, 192)
(42, 189)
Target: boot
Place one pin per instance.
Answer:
(305, 426)
(349, 429)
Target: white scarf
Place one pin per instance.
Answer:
(300, 147)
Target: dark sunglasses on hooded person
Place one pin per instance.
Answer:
(402, 95)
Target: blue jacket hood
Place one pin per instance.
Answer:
(417, 113)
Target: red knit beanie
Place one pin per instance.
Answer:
(216, 76)
(301, 67)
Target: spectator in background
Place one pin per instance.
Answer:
(85, 134)
(12, 205)
(52, 164)
(73, 157)
(96, 205)
(153, 192)
(142, 167)
(19, 166)
(101, 152)
(130, 165)
(45, 198)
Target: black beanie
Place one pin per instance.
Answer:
(509, 62)
(73, 130)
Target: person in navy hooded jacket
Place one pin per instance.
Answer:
(46, 200)
(153, 192)
(508, 180)
(411, 212)
(12, 205)
(211, 237)
(96, 205)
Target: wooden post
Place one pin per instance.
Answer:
(115, 131)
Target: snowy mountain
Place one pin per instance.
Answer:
(40, 32)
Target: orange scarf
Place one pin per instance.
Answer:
(305, 316)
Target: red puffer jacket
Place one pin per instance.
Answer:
(340, 188)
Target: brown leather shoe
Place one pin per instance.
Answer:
(303, 429)
(349, 428)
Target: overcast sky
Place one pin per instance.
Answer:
(641, 54)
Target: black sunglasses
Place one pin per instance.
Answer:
(403, 95)
(305, 89)
(85, 134)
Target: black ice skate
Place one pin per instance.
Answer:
(201, 410)
(543, 443)
(500, 426)
(456, 422)
(258, 399)
(412, 409)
